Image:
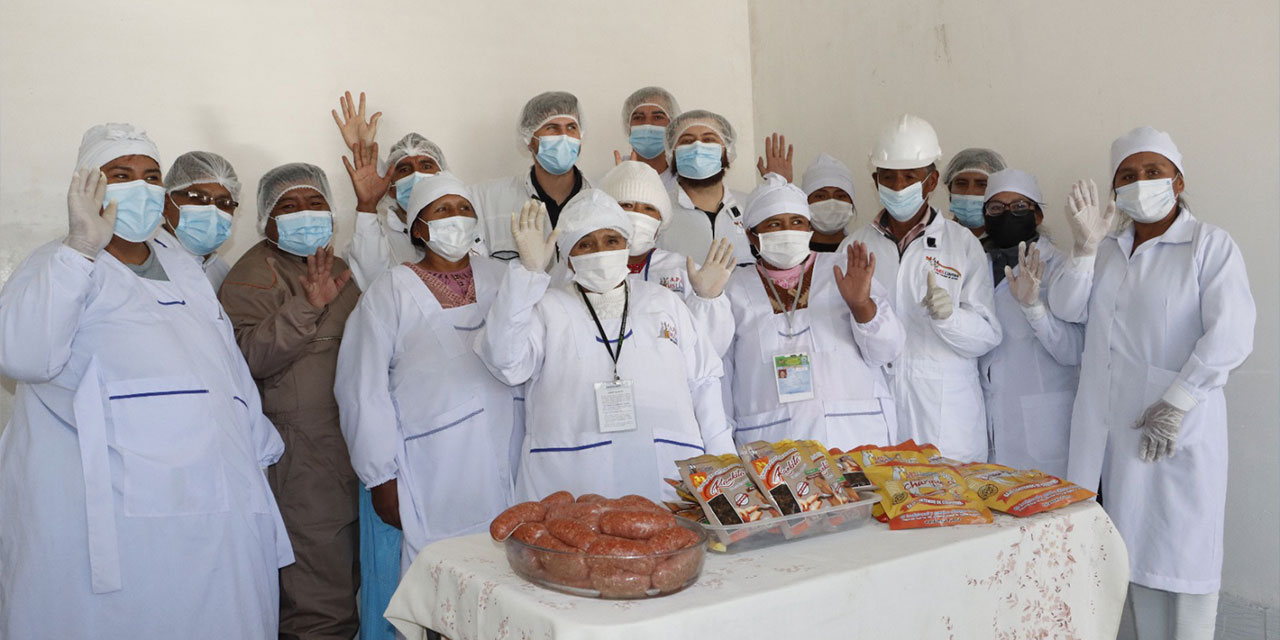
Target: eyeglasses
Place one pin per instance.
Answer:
(224, 202)
(1017, 208)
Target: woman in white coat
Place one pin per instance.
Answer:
(1030, 378)
(1169, 316)
(131, 473)
(620, 383)
(430, 431)
(809, 340)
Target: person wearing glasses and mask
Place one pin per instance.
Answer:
(201, 190)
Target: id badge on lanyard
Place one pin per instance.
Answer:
(792, 372)
(615, 401)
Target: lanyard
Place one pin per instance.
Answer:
(789, 314)
(622, 330)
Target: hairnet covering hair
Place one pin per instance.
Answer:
(285, 178)
(1015, 181)
(984, 161)
(433, 188)
(103, 143)
(827, 171)
(589, 211)
(201, 167)
(413, 144)
(543, 107)
(633, 181)
(715, 121)
(907, 143)
(1144, 139)
(648, 95)
(773, 197)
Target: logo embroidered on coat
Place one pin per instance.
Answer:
(950, 273)
(668, 331)
(674, 283)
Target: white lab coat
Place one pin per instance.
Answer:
(551, 342)
(215, 267)
(1178, 315)
(690, 232)
(380, 241)
(132, 488)
(852, 405)
(417, 405)
(935, 381)
(496, 200)
(1030, 379)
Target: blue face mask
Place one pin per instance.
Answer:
(902, 205)
(968, 210)
(202, 228)
(139, 208)
(302, 233)
(404, 188)
(698, 160)
(557, 154)
(649, 140)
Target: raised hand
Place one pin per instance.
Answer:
(855, 283)
(368, 185)
(318, 284)
(527, 229)
(1089, 223)
(355, 129)
(936, 299)
(775, 160)
(90, 227)
(617, 157)
(708, 281)
(1025, 284)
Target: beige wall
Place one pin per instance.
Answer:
(1049, 85)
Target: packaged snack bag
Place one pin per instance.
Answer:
(722, 486)
(854, 478)
(920, 495)
(779, 471)
(1020, 493)
(905, 453)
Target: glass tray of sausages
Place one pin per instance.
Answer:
(768, 532)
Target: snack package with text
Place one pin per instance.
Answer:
(1020, 493)
(722, 486)
(921, 495)
(779, 471)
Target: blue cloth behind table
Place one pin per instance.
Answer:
(379, 570)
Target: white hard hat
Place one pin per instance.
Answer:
(908, 143)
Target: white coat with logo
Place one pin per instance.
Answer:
(1177, 313)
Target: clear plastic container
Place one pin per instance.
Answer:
(611, 577)
(737, 538)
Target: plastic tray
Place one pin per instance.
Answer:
(737, 538)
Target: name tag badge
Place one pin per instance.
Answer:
(794, 377)
(615, 406)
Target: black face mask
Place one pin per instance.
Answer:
(1008, 230)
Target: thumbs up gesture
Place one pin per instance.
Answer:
(936, 299)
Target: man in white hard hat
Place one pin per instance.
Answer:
(939, 283)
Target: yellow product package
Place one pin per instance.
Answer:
(921, 495)
(1020, 493)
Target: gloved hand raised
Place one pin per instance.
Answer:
(527, 229)
(936, 299)
(88, 230)
(709, 280)
(1160, 424)
(1089, 224)
(1025, 284)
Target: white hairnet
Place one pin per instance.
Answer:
(201, 167)
(984, 161)
(589, 211)
(413, 144)
(434, 187)
(656, 96)
(827, 171)
(543, 107)
(633, 181)
(1144, 139)
(1014, 181)
(773, 197)
(717, 122)
(285, 178)
(103, 143)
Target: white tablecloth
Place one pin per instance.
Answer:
(1061, 574)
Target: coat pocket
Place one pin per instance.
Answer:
(167, 435)
(852, 423)
(769, 425)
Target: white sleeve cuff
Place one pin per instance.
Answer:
(1179, 398)
(1035, 311)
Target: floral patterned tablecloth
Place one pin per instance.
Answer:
(1061, 574)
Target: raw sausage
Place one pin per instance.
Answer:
(613, 582)
(636, 525)
(508, 520)
(572, 532)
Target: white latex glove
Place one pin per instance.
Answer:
(936, 299)
(709, 280)
(1025, 284)
(88, 232)
(527, 227)
(1160, 424)
(1089, 224)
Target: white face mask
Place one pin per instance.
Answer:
(784, 249)
(1146, 201)
(601, 271)
(644, 233)
(830, 216)
(451, 238)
